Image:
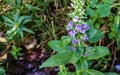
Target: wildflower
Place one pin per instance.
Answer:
(117, 67)
(74, 41)
(75, 19)
(86, 26)
(73, 48)
(84, 38)
(72, 33)
(78, 27)
(82, 28)
(70, 25)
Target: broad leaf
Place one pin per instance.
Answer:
(111, 73)
(94, 72)
(65, 40)
(95, 35)
(58, 59)
(84, 65)
(55, 45)
(76, 55)
(104, 9)
(90, 12)
(97, 52)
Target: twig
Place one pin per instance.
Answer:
(114, 58)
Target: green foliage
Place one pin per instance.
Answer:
(97, 11)
(17, 25)
(16, 5)
(15, 51)
(94, 72)
(95, 35)
(56, 45)
(58, 59)
(65, 40)
(104, 10)
(96, 52)
(111, 73)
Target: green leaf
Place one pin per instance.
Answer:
(11, 2)
(90, 12)
(111, 73)
(84, 65)
(26, 21)
(76, 55)
(9, 24)
(55, 45)
(94, 72)
(20, 19)
(58, 59)
(21, 34)
(95, 35)
(31, 7)
(97, 52)
(93, 3)
(19, 2)
(72, 15)
(15, 51)
(8, 20)
(2, 71)
(11, 30)
(28, 30)
(104, 9)
(16, 17)
(65, 40)
(109, 1)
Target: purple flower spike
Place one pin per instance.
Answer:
(75, 19)
(74, 41)
(84, 38)
(72, 33)
(78, 27)
(70, 25)
(82, 28)
(86, 26)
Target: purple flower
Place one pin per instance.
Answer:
(70, 25)
(86, 26)
(117, 67)
(74, 41)
(75, 19)
(78, 27)
(82, 28)
(72, 33)
(84, 38)
(73, 48)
